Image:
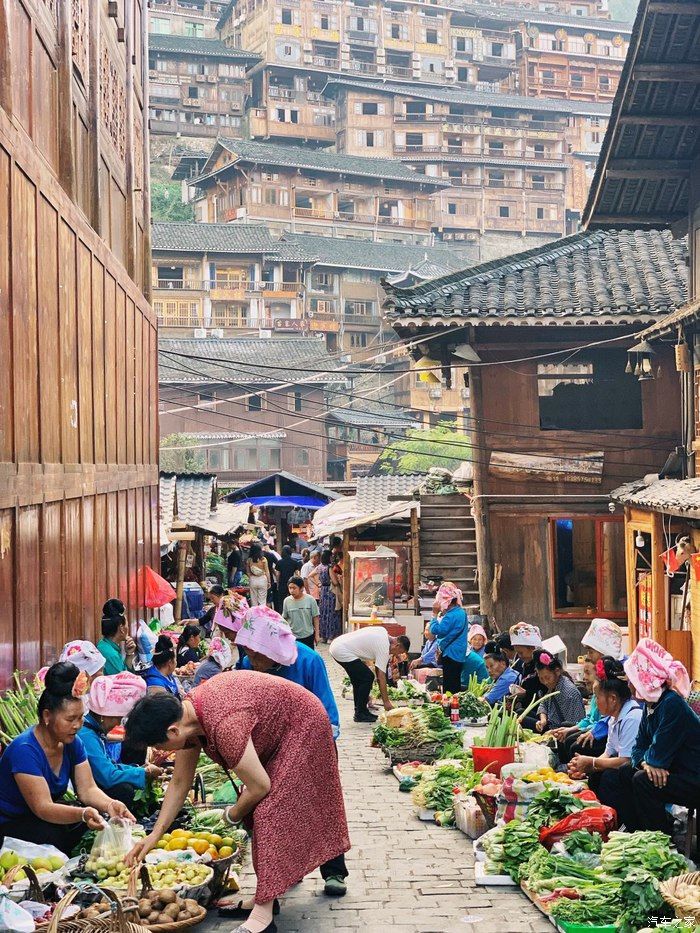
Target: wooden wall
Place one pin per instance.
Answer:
(78, 341)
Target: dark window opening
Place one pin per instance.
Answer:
(287, 17)
(592, 394)
(504, 211)
(255, 403)
(395, 31)
(324, 22)
(297, 401)
(451, 208)
(431, 36)
(370, 109)
(589, 566)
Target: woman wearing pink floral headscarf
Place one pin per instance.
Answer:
(664, 763)
(451, 630)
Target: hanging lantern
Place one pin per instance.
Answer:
(639, 361)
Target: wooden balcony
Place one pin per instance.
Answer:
(181, 320)
(274, 289)
(179, 285)
(399, 71)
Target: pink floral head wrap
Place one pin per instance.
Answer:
(230, 612)
(220, 650)
(524, 634)
(650, 668)
(604, 636)
(266, 632)
(84, 655)
(40, 677)
(446, 594)
(116, 695)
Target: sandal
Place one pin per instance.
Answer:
(238, 910)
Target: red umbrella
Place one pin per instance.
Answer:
(157, 591)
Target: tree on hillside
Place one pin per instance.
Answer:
(420, 450)
(180, 461)
(166, 202)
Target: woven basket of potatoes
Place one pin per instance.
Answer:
(164, 910)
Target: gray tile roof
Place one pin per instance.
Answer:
(192, 498)
(463, 95)
(373, 416)
(382, 256)
(673, 496)
(246, 361)
(319, 160)
(516, 16)
(230, 435)
(615, 277)
(373, 491)
(202, 48)
(184, 237)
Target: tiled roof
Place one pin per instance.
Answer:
(683, 315)
(244, 361)
(193, 499)
(231, 435)
(319, 160)
(382, 256)
(615, 277)
(202, 48)
(464, 95)
(373, 491)
(673, 496)
(373, 416)
(515, 15)
(646, 165)
(212, 238)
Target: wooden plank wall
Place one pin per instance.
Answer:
(78, 341)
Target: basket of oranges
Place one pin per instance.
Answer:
(202, 842)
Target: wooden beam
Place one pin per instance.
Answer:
(646, 165)
(667, 71)
(655, 119)
(638, 220)
(647, 174)
(480, 503)
(666, 6)
(5, 59)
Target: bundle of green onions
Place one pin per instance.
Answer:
(18, 709)
(504, 725)
(477, 687)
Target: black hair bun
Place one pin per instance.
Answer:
(60, 678)
(113, 608)
(164, 647)
(613, 668)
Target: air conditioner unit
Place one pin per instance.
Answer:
(218, 332)
(435, 392)
(200, 333)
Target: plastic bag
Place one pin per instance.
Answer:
(145, 642)
(13, 918)
(601, 820)
(109, 848)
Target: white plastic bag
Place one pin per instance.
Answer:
(146, 642)
(13, 918)
(109, 850)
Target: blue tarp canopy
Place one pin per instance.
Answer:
(280, 502)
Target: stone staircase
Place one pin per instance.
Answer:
(448, 543)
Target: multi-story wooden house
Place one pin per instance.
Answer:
(78, 419)
(314, 191)
(556, 422)
(237, 279)
(195, 19)
(250, 406)
(198, 87)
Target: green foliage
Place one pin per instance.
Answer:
(166, 202)
(420, 450)
(180, 461)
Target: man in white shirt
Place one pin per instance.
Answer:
(311, 582)
(370, 643)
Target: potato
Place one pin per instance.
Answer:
(168, 896)
(152, 918)
(153, 896)
(173, 911)
(144, 907)
(191, 904)
(164, 918)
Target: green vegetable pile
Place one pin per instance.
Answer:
(520, 840)
(504, 725)
(472, 707)
(426, 724)
(583, 841)
(476, 687)
(18, 709)
(552, 805)
(649, 850)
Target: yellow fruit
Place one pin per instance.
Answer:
(213, 852)
(179, 834)
(227, 841)
(200, 846)
(225, 851)
(176, 845)
(162, 844)
(215, 839)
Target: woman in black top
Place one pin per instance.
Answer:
(287, 568)
(188, 645)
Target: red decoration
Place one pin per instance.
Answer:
(695, 564)
(670, 560)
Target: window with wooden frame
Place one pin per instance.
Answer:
(587, 558)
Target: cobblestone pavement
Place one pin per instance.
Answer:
(405, 876)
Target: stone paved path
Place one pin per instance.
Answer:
(405, 876)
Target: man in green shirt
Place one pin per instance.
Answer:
(300, 611)
(115, 633)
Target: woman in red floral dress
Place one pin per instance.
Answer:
(277, 737)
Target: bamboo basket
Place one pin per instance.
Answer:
(668, 892)
(32, 892)
(425, 753)
(130, 903)
(112, 921)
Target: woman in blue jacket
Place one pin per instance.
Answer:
(110, 700)
(451, 629)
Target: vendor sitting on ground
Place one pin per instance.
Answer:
(502, 675)
(473, 664)
(477, 639)
(624, 717)
(116, 645)
(36, 768)
(188, 645)
(428, 656)
(160, 677)
(525, 639)
(216, 594)
(109, 701)
(663, 767)
(567, 706)
(219, 658)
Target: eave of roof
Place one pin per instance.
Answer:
(202, 48)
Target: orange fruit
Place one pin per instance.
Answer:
(180, 834)
(200, 846)
(213, 852)
(176, 844)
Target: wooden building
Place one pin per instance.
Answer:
(647, 178)
(556, 422)
(78, 419)
(198, 87)
(194, 19)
